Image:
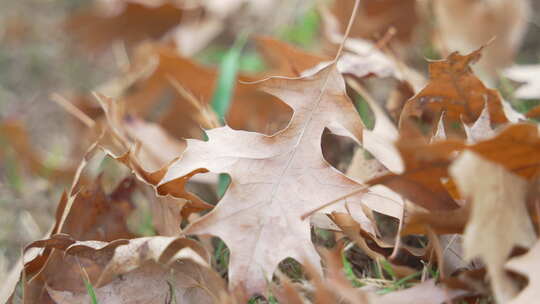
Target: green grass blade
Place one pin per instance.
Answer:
(91, 292)
(227, 78)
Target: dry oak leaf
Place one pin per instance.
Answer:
(499, 218)
(527, 264)
(276, 179)
(454, 89)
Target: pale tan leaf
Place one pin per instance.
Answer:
(275, 179)
(479, 22)
(527, 264)
(499, 218)
(480, 129)
(529, 74)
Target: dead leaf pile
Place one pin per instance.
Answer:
(313, 187)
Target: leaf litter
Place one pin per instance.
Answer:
(438, 201)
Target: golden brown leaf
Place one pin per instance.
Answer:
(454, 89)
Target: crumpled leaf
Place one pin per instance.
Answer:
(499, 218)
(139, 146)
(150, 270)
(275, 179)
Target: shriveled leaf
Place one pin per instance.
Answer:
(499, 218)
(149, 270)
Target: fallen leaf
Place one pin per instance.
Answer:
(286, 59)
(376, 17)
(130, 21)
(275, 179)
(149, 270)
(499, 218)
(515, 147)
(454, 89)
(426, 166)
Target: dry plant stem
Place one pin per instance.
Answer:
(207, 116)
(73, 110)
(383, 42)
(348, 30)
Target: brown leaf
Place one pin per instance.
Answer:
(149, 270)
(155, 97)
(454, 89)
(275, 179)
(425, 167)
(286, 59)
(376, 17)
(130, 21)
(515, 147)
(499, 217)
(154, 150)
(416, 220)
(16, 137)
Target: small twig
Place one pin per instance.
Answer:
(206, 115)
(348, 30)
(73, 110)
(383, 42)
